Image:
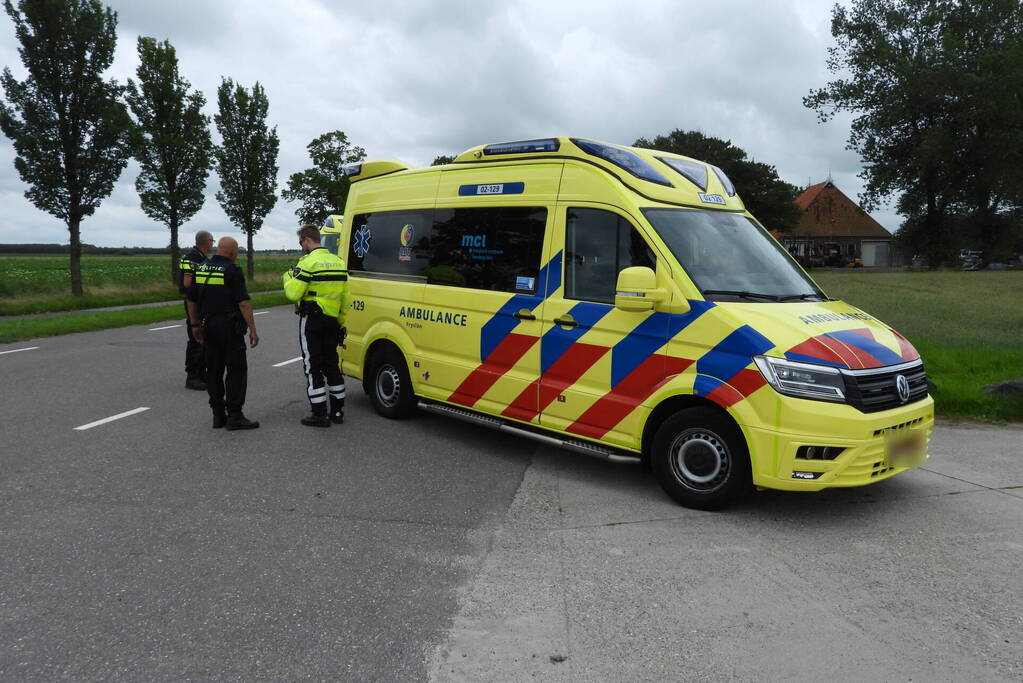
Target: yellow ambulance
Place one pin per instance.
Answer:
(620, 302)
(330, 233)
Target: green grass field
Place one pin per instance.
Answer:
(967, 326)
(41, 284)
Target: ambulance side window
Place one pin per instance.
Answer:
(494, 248)
(391, 242)
(598, 245)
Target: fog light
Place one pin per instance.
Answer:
(818, 452)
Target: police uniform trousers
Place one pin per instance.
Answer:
(225, 353)
(195, 362)
(318, 337)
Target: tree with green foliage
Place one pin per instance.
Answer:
(70, 129)
(323, 189)
(171, 141)
(936, 88)
(442, 159)
(765, 195)
(246, 159)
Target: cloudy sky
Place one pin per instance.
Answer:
(412, 79)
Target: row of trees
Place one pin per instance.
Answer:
(937, 90)
(74, 131)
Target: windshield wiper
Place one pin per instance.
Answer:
(743, 294)
(804, 297)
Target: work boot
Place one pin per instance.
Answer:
(195, 382)
(219, 419)
(314, 420)
(337, 411)
(239, 421)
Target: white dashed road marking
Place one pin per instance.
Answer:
(154, 329)
(260, 312)
(111, 418)
(27, 348)
(293, 360)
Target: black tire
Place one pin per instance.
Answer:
(390, 387)
(700, 458)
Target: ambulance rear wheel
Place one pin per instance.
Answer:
(390, 386)
(700, 459)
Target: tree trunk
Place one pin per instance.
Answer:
(175, 253)
(984, 218)
(73, 227)
(248, 255)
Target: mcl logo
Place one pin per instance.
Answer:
(474, 241)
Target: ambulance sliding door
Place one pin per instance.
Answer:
(597, 362)
(488, 272)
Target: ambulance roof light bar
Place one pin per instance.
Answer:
(523, 147)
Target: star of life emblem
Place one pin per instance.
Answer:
(362, 240)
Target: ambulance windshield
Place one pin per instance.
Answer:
(731, 257)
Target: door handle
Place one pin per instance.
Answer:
(566, 322)
(523, 315)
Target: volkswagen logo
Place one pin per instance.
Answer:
(902, 385)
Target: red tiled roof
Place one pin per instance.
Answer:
(827, 212)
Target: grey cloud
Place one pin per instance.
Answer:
(412, 79)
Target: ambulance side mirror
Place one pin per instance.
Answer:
(637, 290)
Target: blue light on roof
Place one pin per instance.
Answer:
(352, 169)
(523, 147)
(693, 171)
(623, 158)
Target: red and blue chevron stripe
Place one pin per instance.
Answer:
(855, 349)
(722, 375)
(500, 348)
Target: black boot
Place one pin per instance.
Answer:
(337, 411)
(219, 419)
(239, 421)
(316, 420)
(195, 382)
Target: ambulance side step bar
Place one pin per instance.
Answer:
(585, 447)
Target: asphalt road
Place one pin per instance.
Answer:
(152, 547)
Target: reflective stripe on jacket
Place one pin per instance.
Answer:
(322, 278)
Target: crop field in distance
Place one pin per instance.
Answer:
(37, 284)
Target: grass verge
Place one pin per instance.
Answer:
(109, 295)
(34, 328)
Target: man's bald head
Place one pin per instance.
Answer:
(228, 248)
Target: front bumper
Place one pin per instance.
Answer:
(866, 456)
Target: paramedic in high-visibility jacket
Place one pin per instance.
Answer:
(319, 287)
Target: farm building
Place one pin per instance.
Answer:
(835, 231)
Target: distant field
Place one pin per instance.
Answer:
(967, 326)
(37, 284)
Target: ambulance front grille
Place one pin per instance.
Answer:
(871, 392)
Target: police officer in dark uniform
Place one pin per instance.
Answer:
(195, 363)
(219, 312)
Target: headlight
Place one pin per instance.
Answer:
(804, 380)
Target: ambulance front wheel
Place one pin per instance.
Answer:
(700, 459)
(390, 386)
